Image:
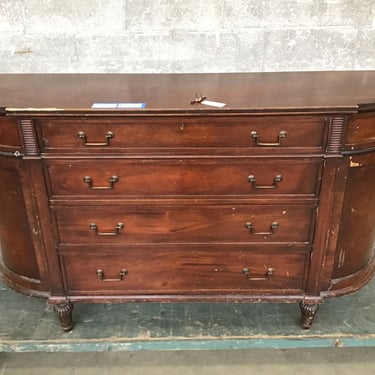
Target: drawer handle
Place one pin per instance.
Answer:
(256, 136)
(273, 227)
(278, 178)
(95, 228)
(83, 137)
(267, 276)
(111, 181)
(122, 274)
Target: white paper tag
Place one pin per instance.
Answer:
(104, 105)
(131, 105)
(213, 104)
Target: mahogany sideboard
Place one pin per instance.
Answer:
(157, 194)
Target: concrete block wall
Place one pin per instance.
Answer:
(186, 35)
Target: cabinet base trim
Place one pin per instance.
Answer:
(350, 284)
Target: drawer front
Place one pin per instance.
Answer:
(146, 132)
(185, 272)
(184, 224)
(183, 177)
(360, 132)
(9, 138)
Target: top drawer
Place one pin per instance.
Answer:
(360, 133)
(155, 134)
(9, 139)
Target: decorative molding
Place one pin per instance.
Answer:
(15, 154)
(336, 131)
(309, 309)
(63, 309)
(368, 107)
(29, 137)
(359, 151)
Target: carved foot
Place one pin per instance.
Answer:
(308, 312)
(64, 313)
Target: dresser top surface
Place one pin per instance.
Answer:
(239, 91)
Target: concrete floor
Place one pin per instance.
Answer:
(325, 361)
(29, 325)
(348, 319)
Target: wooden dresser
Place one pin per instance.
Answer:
(117, 188)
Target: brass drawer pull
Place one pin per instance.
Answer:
(278, 178)
(82, 135)
(256, 136)
(122, 274)
(273, 227)
(111, 181)
(95, 228)
(267, 276)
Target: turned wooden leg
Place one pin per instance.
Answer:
(64, 313)
(308, 312)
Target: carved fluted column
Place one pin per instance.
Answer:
(64, 313)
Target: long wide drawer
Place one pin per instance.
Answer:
(184, 224)
(185, 272)
(184, 177)
(106, 134)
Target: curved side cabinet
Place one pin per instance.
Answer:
(18, 260)
(354, 262)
